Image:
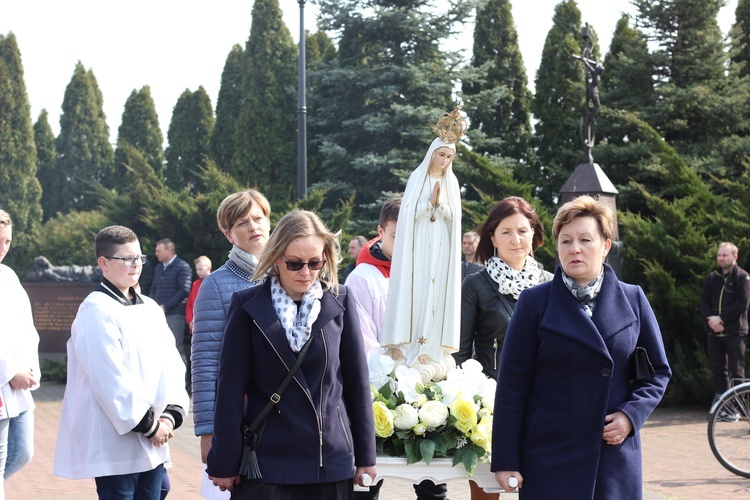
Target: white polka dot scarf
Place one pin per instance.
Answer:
(512, 282)
(297, 324)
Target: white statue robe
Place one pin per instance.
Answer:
(424, 298)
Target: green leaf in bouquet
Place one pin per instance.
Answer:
(433, 392)
(468, 457)
(441, 449)
(413, 455)
(398, 447)
(386, 391)
(427, 449)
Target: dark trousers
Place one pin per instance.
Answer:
(427, 490)
(373, 493)
(340, 490)
(136, 486)
(726, 355)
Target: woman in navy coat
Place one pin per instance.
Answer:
(567, 414)
(322, 427)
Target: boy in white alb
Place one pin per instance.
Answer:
(125, 393)
(368, 282)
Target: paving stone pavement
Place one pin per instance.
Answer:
(677, 462)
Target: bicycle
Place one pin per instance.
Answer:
(729, 429)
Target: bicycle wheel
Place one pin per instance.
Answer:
(729, 430)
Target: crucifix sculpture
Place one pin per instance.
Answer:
(594, 70)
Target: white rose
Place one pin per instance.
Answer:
(487, 393)
(405, 417)
(433, 414)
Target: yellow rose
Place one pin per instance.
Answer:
(466, 414)
(419, 429)
(383, 419)
(481, 434)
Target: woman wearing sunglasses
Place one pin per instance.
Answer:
(318, 437)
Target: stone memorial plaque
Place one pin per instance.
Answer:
(55, 306)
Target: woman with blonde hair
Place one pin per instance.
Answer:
(316, 438)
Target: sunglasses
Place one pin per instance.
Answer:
(313, 265)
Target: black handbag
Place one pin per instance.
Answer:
(641, 367)
(249, 467)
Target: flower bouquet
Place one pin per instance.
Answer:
(450, 418)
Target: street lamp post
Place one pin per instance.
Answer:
(302, 109)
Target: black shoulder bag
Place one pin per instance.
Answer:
(640, 366)
(249, 463)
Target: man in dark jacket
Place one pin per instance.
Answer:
(469, 245)
(724, 301)
(170, 289)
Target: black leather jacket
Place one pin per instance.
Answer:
(485, 315)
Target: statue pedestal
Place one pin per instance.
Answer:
(439, 471)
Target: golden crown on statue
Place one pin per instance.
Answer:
(451, 126)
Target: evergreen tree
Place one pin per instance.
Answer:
(627, 82)
(627, 85)
(694, 107)
(501, 126)
(189, 134)
(84, 154)
(671, 250)
(228, 106)
(20, 191)
(266, 134)
(558, 103)
(140, 129)
(45, 153)
(319, 48)
(740, 37)
(374, 99)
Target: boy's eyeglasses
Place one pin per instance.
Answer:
(130, 261)
(313, 265)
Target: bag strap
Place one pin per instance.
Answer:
(276, 396)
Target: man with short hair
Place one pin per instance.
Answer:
(723, 305)
(469, 245)
(170, 289)
(355, 247)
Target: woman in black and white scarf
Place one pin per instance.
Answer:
(508, 238)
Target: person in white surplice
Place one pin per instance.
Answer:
(422, 318)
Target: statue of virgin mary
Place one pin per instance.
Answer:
(422, 316)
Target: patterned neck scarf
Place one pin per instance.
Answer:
(585, 294)
(510, 281)
(297, 322)
(245, 261)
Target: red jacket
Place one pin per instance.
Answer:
(191, 303)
